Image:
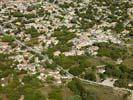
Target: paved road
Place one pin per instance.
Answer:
(95, 83)
(45, 57)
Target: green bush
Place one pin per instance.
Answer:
(7, 38)
(121, 83)
(90, 76)
(32, 31)
(17, 14)
(119, 27)
(76, 70)
(55, 94)
(75, 97)
(28, 16)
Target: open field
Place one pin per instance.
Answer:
(128, 62)
(105, 93)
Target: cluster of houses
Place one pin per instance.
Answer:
(53, 18)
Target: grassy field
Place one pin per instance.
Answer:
(94, 61)
(128, 62)
(105, 93)
(64, 91)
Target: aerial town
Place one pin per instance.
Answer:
(66, 50)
